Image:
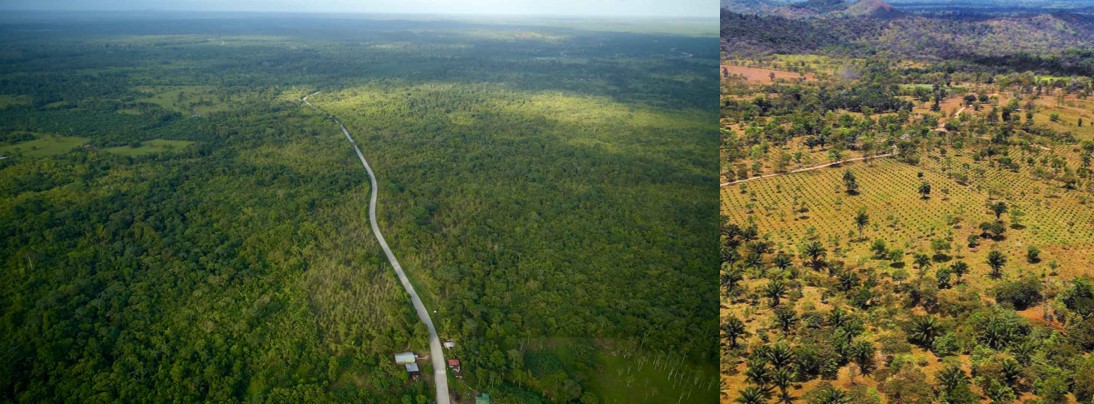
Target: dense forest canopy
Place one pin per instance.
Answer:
(176, 226)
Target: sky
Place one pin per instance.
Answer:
(622, 8)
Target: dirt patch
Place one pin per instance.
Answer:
(762, 76)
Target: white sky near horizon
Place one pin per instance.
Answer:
(621, 8)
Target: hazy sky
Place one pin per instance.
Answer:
(653, 8)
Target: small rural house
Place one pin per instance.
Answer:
(403, 358)
(412, 370)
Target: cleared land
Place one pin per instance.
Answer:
(763, 76)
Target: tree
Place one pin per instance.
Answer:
(826, 394)
(925, 190)
(1080, 298)
(1020, 294)
(814, 252)
(751, 395)
(922, 331)
(953, 386)
(775, 291)
(941, 247)
(850, 183)
(862, 352)
(959, 268)
(733, 329)
(861, 220)
(880, 250)
(730, 277)
(996, 260)
(784, 379)
(786, 319)
(998, 208)
(783, 261)
(923, 262)
(1033, 255)
(973, 241)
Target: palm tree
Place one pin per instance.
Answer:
(730, 277)
(733, 328)
(951, 377)
(774, 291)
(751, 395)
(996, 260)
(863, 354)
(783, 260)
(959, 268)
(923, 262)
(815, 252)
(784, 379)
(754, 260)
(838, 318)
(831, 395)
(998, 208)
(923, 330)
(925, 190)
(861, 220)
(780, 356)
(759, 374)
(785, 319)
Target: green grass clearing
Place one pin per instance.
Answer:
(42, 146)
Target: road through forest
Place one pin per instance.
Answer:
(440, 375)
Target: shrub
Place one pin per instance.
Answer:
(1019, 294)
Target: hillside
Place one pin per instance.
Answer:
(812, 8)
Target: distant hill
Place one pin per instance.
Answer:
(811, 8)
(870, 8)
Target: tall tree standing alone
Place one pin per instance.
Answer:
(850, 183)
(925, 190)
(999, 208)
(861, 220)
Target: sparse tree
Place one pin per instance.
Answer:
(814, 252)
(1033, 255)
(925, 190)
(923, 330)
(850, 183)
(998, 208)
(861, 220)
(996, 260)
(783, 261)
(786, 319)
(775, 290)
(751, 395)
(733, 329)
(959, 268)
(880, 250)
(784, 379)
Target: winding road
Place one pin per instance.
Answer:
(440, 374)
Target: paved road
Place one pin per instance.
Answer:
(801, 170)
(436, 353)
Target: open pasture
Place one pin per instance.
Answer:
(43, 145)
